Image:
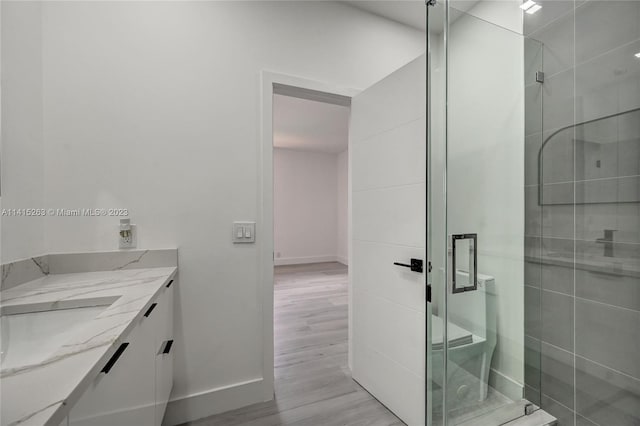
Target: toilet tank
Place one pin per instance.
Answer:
(475, 310)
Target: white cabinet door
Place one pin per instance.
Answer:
(125, 395)
(387, 150)
(164, 353)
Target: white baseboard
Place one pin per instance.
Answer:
(213, 401)
(307, 259)
(343, 260)
(506, 385)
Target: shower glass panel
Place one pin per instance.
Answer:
(476, 341)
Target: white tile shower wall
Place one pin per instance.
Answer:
(305, 206)
(153, 106)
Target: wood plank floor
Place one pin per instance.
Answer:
(313, 385)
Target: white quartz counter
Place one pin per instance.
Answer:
(42, 392)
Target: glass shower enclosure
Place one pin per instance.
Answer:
(475, 213)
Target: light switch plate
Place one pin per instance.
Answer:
(244, 232)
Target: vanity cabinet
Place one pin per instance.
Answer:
(164, 355)
(134, 385)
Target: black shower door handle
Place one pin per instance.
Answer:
(473, 262)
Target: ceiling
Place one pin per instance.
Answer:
(308, 125)
(413, 12)
(407, 12)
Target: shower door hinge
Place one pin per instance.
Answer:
(429, 293)
(529, 409)
(539, 77)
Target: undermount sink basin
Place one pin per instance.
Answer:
(29, 338)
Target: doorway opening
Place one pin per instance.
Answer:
(310, 226)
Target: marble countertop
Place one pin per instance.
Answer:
(41, 393)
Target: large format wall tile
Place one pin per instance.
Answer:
(557, 278)
(583, 421)
(612, 190)
(557, 38)
(617, 290)
(532, 272)
(533, 60)
(558, 100)
(608, 335)
(606, 397)
(613, 280)
(532, 313)
(533, 211)
(557, 193)
(532, 353)
(592, 219)
(629, 189)
(533, 96)
(616, 258)
(608, 84)
(557, 319)
(596, 149)
(589, 182)
(532, 144)
(628, 220)
(563, 414)
(531, 394)
(557, 156)
(557, 221)
(629, 143)
(604, 25)
(557, 265)
(551, 10)
(557, 374)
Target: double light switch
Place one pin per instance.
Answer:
(244, 232)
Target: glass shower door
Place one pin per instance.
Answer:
(475, 339)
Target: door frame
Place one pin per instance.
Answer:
(277, 83)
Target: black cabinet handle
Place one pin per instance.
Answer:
(151, 308)
(169, 284)
(415, 266)
(114, 358)
(167, 346)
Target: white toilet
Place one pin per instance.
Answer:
(472, 340)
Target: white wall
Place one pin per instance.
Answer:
(343, 207)
(154, 107)
(305, 204)
(22, 143)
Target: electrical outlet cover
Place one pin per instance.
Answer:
(128, 242)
